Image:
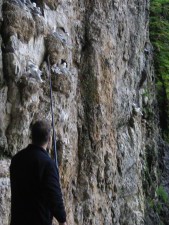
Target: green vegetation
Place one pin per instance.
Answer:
(162, 194)
(159, 35)
(158, 203)
(161, 201)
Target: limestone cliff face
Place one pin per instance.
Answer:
(104, 101)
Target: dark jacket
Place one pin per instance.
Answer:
(35, 189)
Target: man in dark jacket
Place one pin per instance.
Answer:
(35, 189)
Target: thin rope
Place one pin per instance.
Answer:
(51, 106)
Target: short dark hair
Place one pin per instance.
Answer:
(40, 132)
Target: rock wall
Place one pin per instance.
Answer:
(104, 101)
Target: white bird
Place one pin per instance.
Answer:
(137, 109)
(63, 68)
(146, 51)
(63, 65)
(67, 34)
(34, 4)
(63, 116)
(37, 11)
(145, 99)
(55, 69)
(34, 71)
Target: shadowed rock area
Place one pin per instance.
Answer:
(104, 102)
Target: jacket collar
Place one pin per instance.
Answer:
(36, 147)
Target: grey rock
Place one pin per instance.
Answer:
(34, 71)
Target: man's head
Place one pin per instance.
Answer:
(41, 132)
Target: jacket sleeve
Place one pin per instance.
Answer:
(53, 193)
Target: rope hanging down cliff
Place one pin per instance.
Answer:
(51, 106)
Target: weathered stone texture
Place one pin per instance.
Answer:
(4, 192)
(101, 106)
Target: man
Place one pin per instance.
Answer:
(35, 189)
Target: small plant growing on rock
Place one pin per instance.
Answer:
(162, 194)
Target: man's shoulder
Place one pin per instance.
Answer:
(17, 158)
(19, 154)
(31, 152)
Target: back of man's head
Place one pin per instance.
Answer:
(40, 132)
